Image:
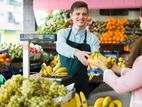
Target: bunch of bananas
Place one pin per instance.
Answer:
(107, 102)
(80, 100)
(54, 61)
(91, 75)
(95, 57)
(55, 71)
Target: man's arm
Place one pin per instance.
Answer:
(62, 47)
(93, 41)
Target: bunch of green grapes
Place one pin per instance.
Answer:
(10, 87)
(18, 101)
(38, 101)
(57, 90)
(33, 92)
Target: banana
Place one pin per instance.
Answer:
(61, 74)
(77, 100)
(83, 99)
(106, 101)
(99, 102)
(118, 103)
(62, 69)
(43, 66)
(111, 104)
(49, 70)
(58, 65)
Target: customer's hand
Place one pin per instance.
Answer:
(82, 56)
(115, 68)
(99, 64)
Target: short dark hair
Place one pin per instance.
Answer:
(78, 4)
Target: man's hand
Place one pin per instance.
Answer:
(82, 56)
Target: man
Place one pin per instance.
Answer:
(74, 46)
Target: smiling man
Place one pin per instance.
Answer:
(74, 46)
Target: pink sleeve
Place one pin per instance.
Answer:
(125, 70)
(128, 82)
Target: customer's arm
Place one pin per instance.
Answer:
(129, 82)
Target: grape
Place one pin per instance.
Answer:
(33, 92)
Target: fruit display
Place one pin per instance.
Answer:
(4, 62)
(94, 57)
(121, 62)
(99, 28)
(80, 100)
(107, 102)
(54, 21)
(33, 92)
(115, 31)
(90, 24)
(53, 69)
(133, 27)
(4, 58)
(16, 50)
(110, 62)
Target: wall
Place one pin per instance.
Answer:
(94, 14)
(9, 36)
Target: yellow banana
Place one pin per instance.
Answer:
(118, 103)
(99, 102)
(61, 74)
(83, 99)
(62, 69)
(58, 65)
(77, 100)
(43, 66)
(106, 101)
(111, 104)
(49, 70)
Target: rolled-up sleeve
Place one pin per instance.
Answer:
(126, 83)
(61, 46)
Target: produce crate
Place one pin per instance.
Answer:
(66, 99)
(62, 80)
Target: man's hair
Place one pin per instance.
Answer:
(78, 4)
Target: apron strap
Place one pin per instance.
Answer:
(85, 37)
(69, 34)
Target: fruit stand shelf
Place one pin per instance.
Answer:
(35, 36)
(26, 38)
(113, 47)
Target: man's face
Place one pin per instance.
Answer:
(79, 16)
(141, 22)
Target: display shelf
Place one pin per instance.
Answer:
(97, 79)
(3, 50)
(47, 45)
(114, 47)
(27, 38)
(35, 36)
